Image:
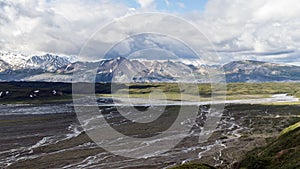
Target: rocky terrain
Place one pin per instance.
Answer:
(255, 71)
(54, 138)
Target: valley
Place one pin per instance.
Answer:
(33, 139)
(55, 92)
(149, 84)
(249, 121)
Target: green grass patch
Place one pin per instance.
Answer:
(290, 128)
(19, 92)
(283, 152)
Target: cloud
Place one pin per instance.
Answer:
(257, 29)
(181, 4)
(151, 46)
(145, 3)
(53, 26)
(251, 27)
(167, 2)
(277, 10)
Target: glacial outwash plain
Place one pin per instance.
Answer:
(258, 128)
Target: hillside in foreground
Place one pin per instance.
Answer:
(283, 152)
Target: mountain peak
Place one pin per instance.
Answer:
(14, 59)
(52, 67)
(47, 62)
(120, 58)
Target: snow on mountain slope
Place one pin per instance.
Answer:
(50, 67)
(46, 62)
(15, 60)
(257, 71)
(4, 66)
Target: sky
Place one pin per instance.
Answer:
(178, 6)
(265, 30)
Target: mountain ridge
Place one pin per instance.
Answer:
(51, 67)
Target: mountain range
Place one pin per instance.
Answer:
(49, 67)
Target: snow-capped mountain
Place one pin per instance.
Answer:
(124, 70)
(46, 62)
(18, 62)
(4, 66)
(15, 60)
(121, 69)
(48, 67)
(256, 71)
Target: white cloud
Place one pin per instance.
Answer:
(238, 29)
(181, 4)
(53, 26)
(257, 26)
(167, 3)
(278, 10)
(147, 43)
(145, 3)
